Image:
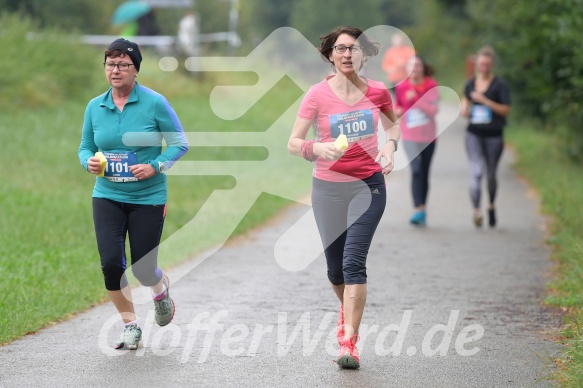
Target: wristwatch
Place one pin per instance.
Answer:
(161, 167)
(395, 143)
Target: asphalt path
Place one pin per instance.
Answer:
(448, 306)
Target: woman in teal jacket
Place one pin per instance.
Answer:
(126, 125)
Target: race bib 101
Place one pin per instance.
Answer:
(481, 114)
(356, 125)
(118, 165)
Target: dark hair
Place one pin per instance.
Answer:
(124, 46)
(369, 48)
(113, 53)
(428, 70)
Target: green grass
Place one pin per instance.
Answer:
(49, 263)
(559, 182)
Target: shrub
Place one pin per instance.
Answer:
(45, 68)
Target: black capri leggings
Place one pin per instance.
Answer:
(483, 150)
(143, 224)
(347, 215)
(420, 155)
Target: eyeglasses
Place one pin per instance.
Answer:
(341, 49)
(109, 66)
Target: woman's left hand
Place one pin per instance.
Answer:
(142, 171)
(387, 152)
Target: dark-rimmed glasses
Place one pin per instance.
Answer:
(109, 66)
(341, 49)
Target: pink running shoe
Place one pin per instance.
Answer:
(349, 358)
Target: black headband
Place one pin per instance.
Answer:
(131, 49)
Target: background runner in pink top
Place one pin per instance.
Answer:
(359, 122)
(418, 123)
(417, 105)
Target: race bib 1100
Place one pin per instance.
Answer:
(355, 125)
(118, 165)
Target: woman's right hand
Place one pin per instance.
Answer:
(94, 165)
(327, 151)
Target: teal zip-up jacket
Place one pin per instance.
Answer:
(146, 119)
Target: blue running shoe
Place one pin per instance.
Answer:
(418, 218)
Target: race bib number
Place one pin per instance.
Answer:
(416, 118)
(118, 165)
(481, 114)
(355, 125)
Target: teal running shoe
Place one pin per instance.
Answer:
(164, 306)
(130, 337)
(418, 218)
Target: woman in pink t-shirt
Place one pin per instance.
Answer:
(416, 103)
(348, 192)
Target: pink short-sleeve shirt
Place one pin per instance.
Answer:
(359, 122)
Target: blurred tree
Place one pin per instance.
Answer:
(259, 18)
(399, 13)
(454, 7)
(268, 15)
(86, 16)
(311, 21)
(213, 16)
(443, 40)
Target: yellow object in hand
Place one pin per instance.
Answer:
(341, 142)
(102, 160)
